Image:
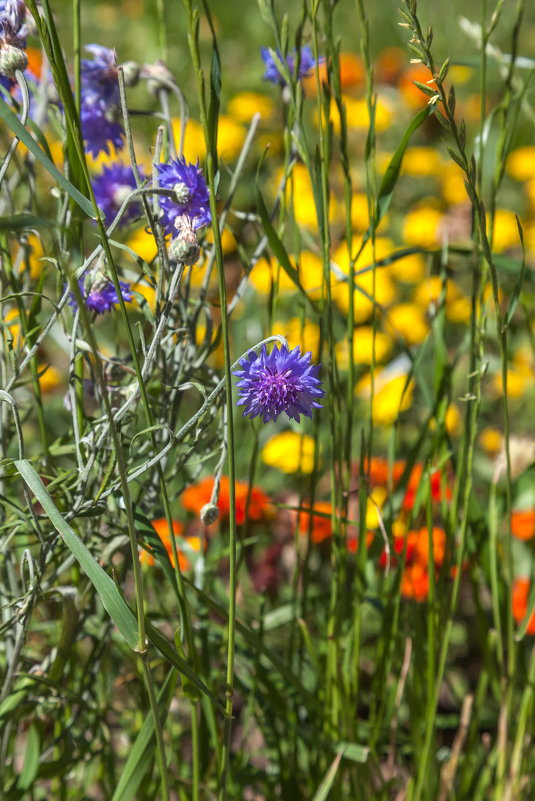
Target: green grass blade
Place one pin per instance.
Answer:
(15, 125)
(113, 602)
(143, 748)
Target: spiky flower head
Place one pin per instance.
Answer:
(111, 187)
(184, 246)
(99, 293)
(13, 33)
(283, 381)
(307, 63)
(191, 197)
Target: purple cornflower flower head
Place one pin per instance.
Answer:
(13, 34)
(111, 187)
(100, 82)
(101, 295)
(307, 63)
(100, 102)
(284, 381)
(192, 198)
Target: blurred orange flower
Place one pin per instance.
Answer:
(521, 588)
(321, 523)
(523, 524)
(196, 496)
(162, 529)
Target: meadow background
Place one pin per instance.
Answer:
(198, 605)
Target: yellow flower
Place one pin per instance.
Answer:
(374, 505)
(491, 440)
(458, 74)
(408, 321)
(148, 292)
(453, 420)
(11, 322)
(311, 273)
(357, 115)
(228, 241)
(362, 347)
(306, 335)
(299, 188)
(421, 162)
(520, 374)
(385, 291)
(521, 163)
(144, 244)
(458, 305)
(409, 269)
(290, 452)
(359, 212)
(505, 231)
(391, 395)
(230, 138)
(245, 104)
(453, 188)
(265, 273)
(49, 377)
(421, 227)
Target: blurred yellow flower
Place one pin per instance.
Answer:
(359, 212)
(290, 452)
(421, 227)
(307, 336)
(521, 163)
(385, 291)
(374, 505)
(491, 440)
(36, 253)
(265, 273)
(392, 394)
(244, 105)
(409, 269)
(505, 231)
(520, 373)
(458, 305)
(357, 114)
(299, 187)
(144, 244)
(422, 161)
(311, 273)
(408, 321)
(362, 347)
(230, 138)
(148, 292)
(11, 322)
(50, 378)
(458, 74)
(228, 241)
(453, 188)
(453, 420)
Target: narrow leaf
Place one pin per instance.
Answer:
(113, 602)
(15, 125)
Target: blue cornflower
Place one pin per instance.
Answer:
(100, 81)
(284, 381)
(192, 198)
(307, 63)
(111, 187)
(101, 295)
(100, 102)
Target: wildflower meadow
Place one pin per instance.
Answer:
(267, 400)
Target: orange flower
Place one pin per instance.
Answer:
(414, 482)
(415, 578)
(379, 471)
(520, 603)
(321, 523)
(415, 582)
(413, 96)
(352, 73)
(523, 524)
(196, 496)
(162, 529)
